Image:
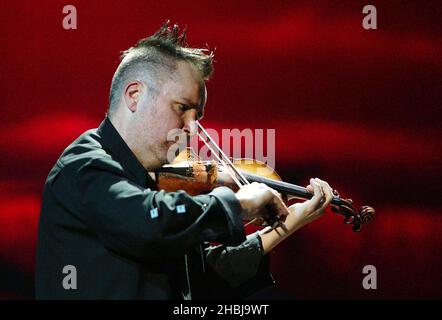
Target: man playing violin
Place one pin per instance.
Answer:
(102, 214)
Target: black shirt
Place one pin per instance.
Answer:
(102, 215)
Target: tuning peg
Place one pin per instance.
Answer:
(356, 227)
(367, 214)
(348, 219)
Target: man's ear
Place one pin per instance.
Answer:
(132, 95)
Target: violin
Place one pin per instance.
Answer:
(196, 176)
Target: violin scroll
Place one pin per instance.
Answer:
(351, 216)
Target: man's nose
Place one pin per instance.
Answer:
(190, 126)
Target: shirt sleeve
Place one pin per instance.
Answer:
(237, 264)
(138, 222)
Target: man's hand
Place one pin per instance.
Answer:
(300, 214)
(305, 212)
(257, 199)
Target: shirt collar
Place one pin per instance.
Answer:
(117, 147)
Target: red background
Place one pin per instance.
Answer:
(360, 109)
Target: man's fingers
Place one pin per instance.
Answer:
(328, 191)
(278, 205)
(325, 185)
(276, 193)
(281, 208)
(318, 194)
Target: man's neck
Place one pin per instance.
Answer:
(146, 158)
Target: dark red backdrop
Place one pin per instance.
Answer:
(358, 108)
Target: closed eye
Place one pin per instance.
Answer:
(184, 107)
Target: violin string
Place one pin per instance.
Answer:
(221, 152)
(227, 163)
(235, 179)
(231, 169)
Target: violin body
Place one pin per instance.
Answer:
(199, 177)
